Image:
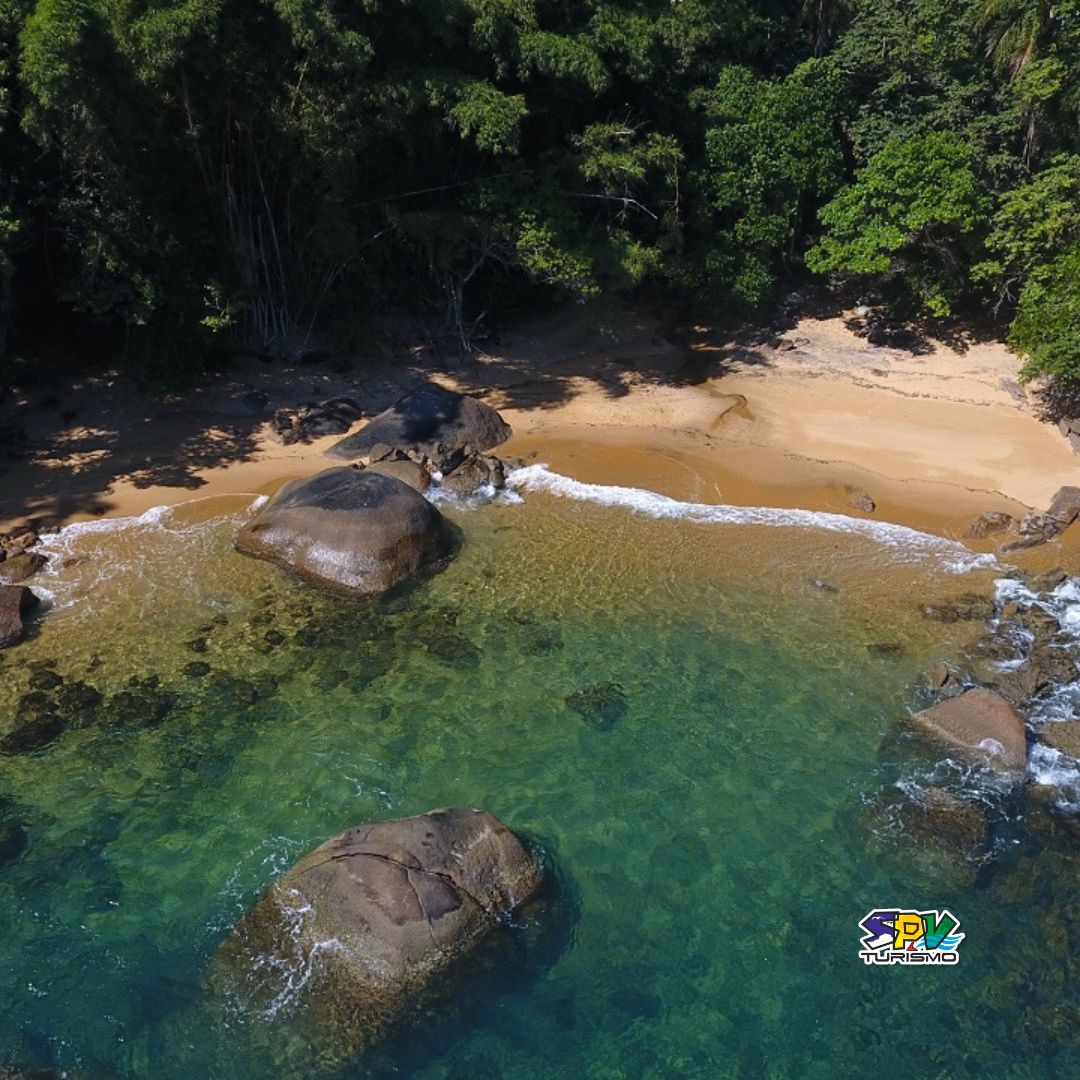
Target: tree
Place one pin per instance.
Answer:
(917, 208)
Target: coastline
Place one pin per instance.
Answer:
(800, 422)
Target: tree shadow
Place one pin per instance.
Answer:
(68, 436)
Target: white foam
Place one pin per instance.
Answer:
(907, 542)
(1055, 769)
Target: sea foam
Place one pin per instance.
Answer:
(909, 544)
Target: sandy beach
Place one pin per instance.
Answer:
(934, 435)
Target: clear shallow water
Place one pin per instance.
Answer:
(709, 844)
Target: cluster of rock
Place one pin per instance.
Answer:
(17, 563)
(367, 526)
(445, 434)
(1035, 528)
(977, 719)
(360, 927)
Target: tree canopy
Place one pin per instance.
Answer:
(190, 171)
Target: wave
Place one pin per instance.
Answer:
(910, 544)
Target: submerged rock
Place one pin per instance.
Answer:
(600, 706)
(929, 830)
(362, 924)
(431, 422)
(969, 607)
(349, 527)
(16, 601)
(13, 842)
(32, 734)
(981, 725)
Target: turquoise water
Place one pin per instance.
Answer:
(707, 835)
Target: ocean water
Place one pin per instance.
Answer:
(712, 829)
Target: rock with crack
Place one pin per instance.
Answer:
(362, 924)
(430, 422)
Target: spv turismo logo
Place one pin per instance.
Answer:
(894, 936)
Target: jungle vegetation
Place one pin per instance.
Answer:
(177, 173)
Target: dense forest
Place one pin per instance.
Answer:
(177, 173)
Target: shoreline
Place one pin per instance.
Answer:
(934, 440)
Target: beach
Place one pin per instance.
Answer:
(802, 420)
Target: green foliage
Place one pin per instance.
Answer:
(247, 170)
(1034, 223)
(915, 207)
(771, 151)
(1046, 329)
(489, 117)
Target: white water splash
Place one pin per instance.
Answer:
(909, 544)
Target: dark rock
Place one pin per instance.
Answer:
(399, 900)
(76, 698)
(45, 679)
(144, 706)
(13, 842)
(311, 421)
(990, 523)
(196, 669)
(431, 421)
(16, 601)
(349, 527)
(970, 607)
(16, 568)
(981, 725)
(274, 637)
(32, 734)
(198, 645)
(600, 706)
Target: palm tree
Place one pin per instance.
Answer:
(1017, 31)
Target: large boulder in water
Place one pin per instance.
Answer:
(981, 726)
(15, 602)
(361, 925)
(431, 422)
(350, 527)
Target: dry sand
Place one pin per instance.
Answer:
(935, 435)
